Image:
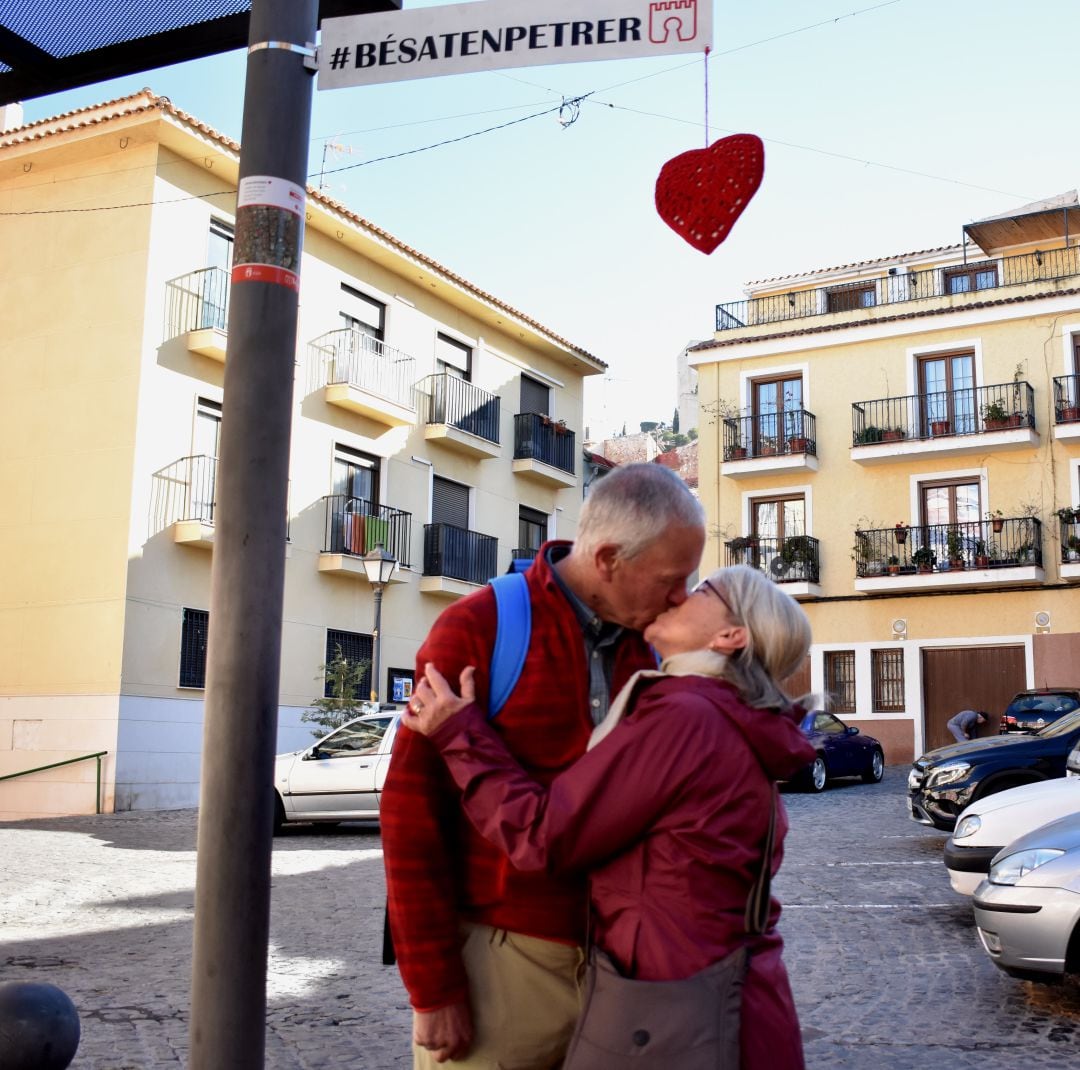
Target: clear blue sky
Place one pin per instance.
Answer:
(885, 131)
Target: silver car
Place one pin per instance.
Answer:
(1028, 910)
(340, 778)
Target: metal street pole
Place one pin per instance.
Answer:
(376, 644)
(232, 895)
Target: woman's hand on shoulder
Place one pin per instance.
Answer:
(434, 701)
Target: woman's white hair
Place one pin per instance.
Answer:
(778, 635)
(633, 506)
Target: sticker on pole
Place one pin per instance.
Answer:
(269, 231)
(491, 35)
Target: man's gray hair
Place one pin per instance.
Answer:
(633, 506)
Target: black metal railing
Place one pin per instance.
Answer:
(979, 544)
(543, 439)
(778, 433)
(784, 560)
(971, 411)
(453, 401)
(1070, 536)
(355, 526)
(350, 356)
(459, 554)
(196, 301)
(184, 490)
(523, 553)
(948, 281)
(1066, 399)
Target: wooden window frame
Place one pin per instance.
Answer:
(887, 680)
(845, 298)
(841, 691)
(971, 272)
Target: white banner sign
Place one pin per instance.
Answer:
(492, 35)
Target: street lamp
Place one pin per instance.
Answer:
(379, 566)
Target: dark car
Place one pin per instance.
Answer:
(841, 751)
(944, 781)
(1032, 710)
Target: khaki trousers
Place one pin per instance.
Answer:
(525, 997)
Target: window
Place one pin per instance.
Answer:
(535, 396)
(776, 519)
(215, 282)
(887, 680)
(355, 649)
(355, 523)
(947, 389)
(845, 298)
(356, 474)
(193, 637)
(449, 503)
(840, 679)
(962, 280)
(454, 358)
(206, 439)
(532, 529)
(363, 737)
(363, 313)
(951, 513)
(777, 408)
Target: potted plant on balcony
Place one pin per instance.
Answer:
(1072, 548)
(561, 428)
(924, 559)
(997, 520)
(868, 434)
(901, 532)
(744, 549)
(798, 444)
(767, 445)
(892, 434)
(940, 427)
(954, 546)
(995, 416)
(1068, 412)
(1068, 515)
(892, 563)
(982, 558)
(797, 553)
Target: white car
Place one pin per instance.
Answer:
(990, 823)
(340, 778)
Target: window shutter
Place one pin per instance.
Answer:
(449, 503)
(535, 396)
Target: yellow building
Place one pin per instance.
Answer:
(898, 443)
(428, 416)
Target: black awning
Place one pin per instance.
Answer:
(50, 45)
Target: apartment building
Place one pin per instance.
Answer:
(897, 442)
(428, 416)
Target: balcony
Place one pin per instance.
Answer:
(182, 497)
(774, 442)
(363, 374)
(197, 306)
(1069, 520)
(995, 553)
(944, 424)
(543, 450)
(955, 284)
(793, 562)
(524, 553)
(1067, 407)
(461, 416)
(354, 526)
(456, 560)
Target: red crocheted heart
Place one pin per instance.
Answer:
(701, 193)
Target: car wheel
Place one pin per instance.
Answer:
(876, 770)
(816, 775)
(279, 814)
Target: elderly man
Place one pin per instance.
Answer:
(490, 956)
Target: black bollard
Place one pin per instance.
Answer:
(39, 1027)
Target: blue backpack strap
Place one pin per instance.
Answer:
(512, 632)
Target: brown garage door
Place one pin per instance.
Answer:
(968, 678)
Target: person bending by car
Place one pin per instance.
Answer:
(966, 724)
(668, 811)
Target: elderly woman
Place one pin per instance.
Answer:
(670, 812)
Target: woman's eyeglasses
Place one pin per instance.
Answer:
(708, 585)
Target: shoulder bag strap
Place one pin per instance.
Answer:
(757, 906)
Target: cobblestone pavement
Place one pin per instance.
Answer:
(885, 963)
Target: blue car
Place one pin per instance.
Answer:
(842, 750)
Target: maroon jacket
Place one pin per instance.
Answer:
(439, 870)
(669, 815)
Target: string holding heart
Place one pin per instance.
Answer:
(701, 194)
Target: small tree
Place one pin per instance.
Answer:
(675, 422)
(344, 703)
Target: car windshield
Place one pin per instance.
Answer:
(360, 737)
(1063, 726)
(1053, 703)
